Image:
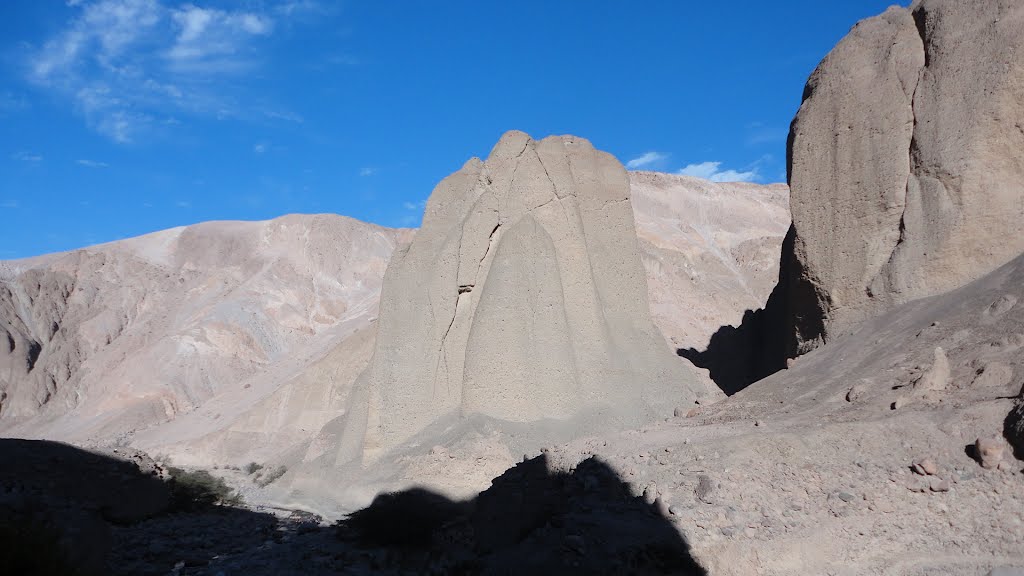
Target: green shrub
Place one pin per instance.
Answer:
(191, 490)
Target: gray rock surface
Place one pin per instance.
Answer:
(905, 163)
(522, 298)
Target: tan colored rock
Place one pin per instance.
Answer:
(990, 451)
(521, 298)
(926, 467)
(905, 170)
(936, 377)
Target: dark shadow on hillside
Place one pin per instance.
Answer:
(69, 511)
(736, 357)
(530, 521)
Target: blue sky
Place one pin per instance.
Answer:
(122, 117)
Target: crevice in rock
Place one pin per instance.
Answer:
(922, 31)
(34, 349)
(490, 244)
(912, 161)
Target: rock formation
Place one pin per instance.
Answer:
(197, 323)
(522, 298)
(905, 163)
(195, 301)
(711, 250)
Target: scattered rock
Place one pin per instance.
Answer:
(661, 507)
(937, 484)
(936, 378)
(651, 494)
(705, 486)
(989, 451)
(925, 467)
(856, 392)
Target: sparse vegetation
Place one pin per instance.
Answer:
(252, 468)
(270, 476)
(191, 490)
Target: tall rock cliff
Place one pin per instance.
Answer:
(522, 298)
(906, 173)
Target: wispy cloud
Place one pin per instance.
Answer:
(30, 157)
(367, 171)
(259, 148)
(128, 66)
(183, 204)
(214, 41)
(646, 159)
(712, 171)
(92, 164)
(9, 204)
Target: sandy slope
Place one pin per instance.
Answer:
(208, 319)
(809, 471)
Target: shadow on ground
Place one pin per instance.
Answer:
(69, 511)
(530, 521)
(738, 356)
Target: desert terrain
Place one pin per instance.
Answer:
(569, 367)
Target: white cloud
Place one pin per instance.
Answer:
(9, 204)
(129, 65)
(711, 171)
(30, 157)
(214, 40)
(259, 148)
(414, 205)
(183, 204)
(646, 159)
(367, 171)
(92, 164)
